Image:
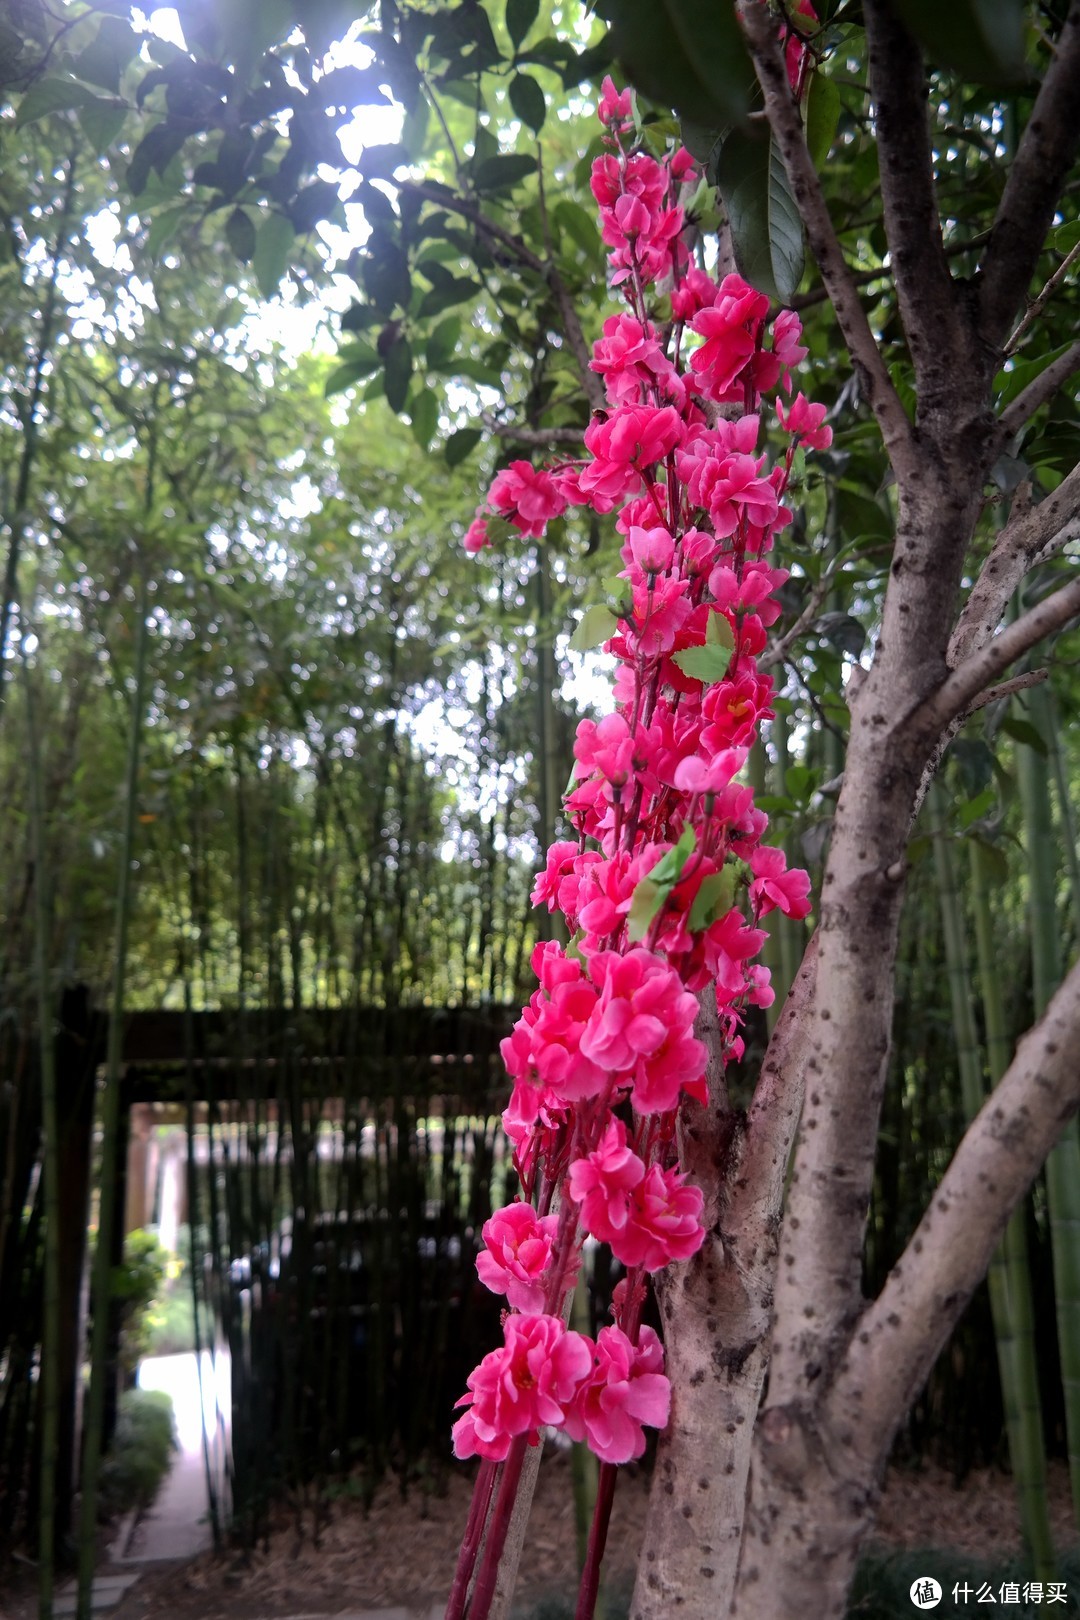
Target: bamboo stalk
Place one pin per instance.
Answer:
(1063, 1165)
(110, 1120)
(50, 1346)
(1009, 1283)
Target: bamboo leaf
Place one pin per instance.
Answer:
(528, 101)
(686, 54)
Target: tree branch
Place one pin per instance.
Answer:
(535, 436)
(1039, 302)
(445, 197)
(786, 125)
(1024, 537)
(993, 694)
(1035, 177)
(999, 1156)
(993, 657)
(1039, 392)
(935, 332)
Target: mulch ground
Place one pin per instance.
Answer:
(402, 1550)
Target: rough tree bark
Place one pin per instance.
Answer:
(843, 1372)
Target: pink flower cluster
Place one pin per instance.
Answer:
(664, 885)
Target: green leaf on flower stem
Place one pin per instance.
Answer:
(713, 900)
(596, 625)
(668, 869)
(645, 902)
(710, 662)
(822, 117)
(766, 228)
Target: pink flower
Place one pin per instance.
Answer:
(704, 775)
(626, 1388)
(528, 496)
(663, 1222)
(652, 549)
(516, 1390)
(806, 422)
(773, 885)
(614, 106)
(476, 535)
(632, 440)
(518, 1254)
(602, 1182)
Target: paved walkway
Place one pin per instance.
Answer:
(177, 1525)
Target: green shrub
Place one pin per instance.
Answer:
(141, 1451)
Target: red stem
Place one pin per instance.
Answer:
(470, 1541)
(590, 1575)
(484, 1590)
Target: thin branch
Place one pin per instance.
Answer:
(1035, 178)
(936, 336)
(1040, 391)
(1026, 536)
(1038, 304)
(536, 436)
(777, 650)
(998, 1158)
(443, 197)
(992, 694)
(591, 382)
(783, 116)
(993, 658)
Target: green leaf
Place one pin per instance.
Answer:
(528, 102)
(163, 227)
(355, 362)
(398, 373)
(101, 121)
(1022, 731)
(461, 444)
(686, 54)
(822, 117)
(108, 54)
(50, 96)
(240, 235)
(766, 230)
(379, 162)
(645, 902)
(669, 867)
(424, 416)
(596, 625)
(273, 244)
(443, 341)
(982, 39)
(456, 290)
(520, 16)
(714, 899)
(709, 662)
(579, 226)
(502, 172)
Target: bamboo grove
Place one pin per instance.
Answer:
(274, 750)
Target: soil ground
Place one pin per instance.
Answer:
(401, 1551)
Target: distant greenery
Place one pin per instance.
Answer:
(140, 1454)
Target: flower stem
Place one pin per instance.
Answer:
(484, 1590)
(470, 1541)
(590, 1575)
